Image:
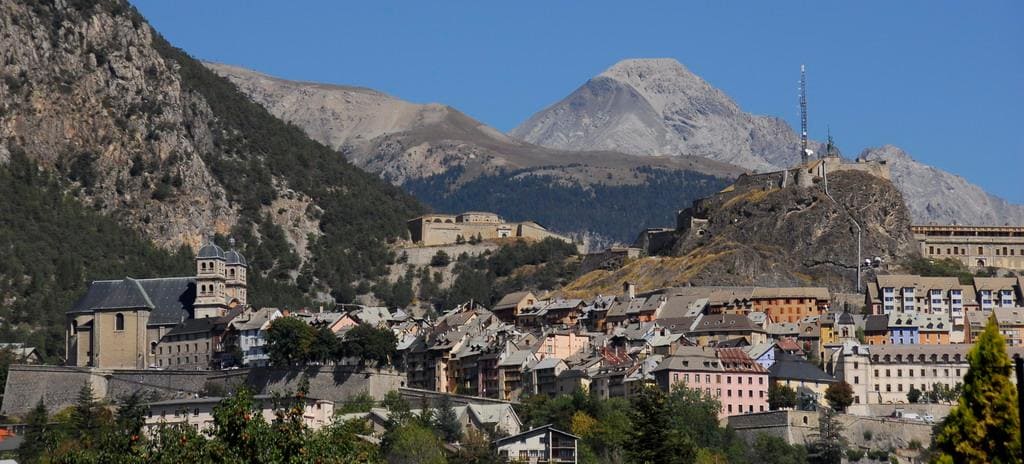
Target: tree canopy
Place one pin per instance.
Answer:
(984, 427)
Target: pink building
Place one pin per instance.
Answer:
(727, 374)
(562, 345)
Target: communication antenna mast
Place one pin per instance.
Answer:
(804, 154)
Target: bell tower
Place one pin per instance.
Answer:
(211, 289)
(235, 279)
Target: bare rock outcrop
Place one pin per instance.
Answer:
(85, 94)
(940, 197)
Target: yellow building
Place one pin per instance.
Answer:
(118, 324)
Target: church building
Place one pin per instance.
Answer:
(118, 324)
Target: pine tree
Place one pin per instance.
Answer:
(85, 416)
(984, 427)
(447, 421)
(38, 436)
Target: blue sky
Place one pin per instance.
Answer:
(943, 80)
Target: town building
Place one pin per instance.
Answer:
(508, 308)
(22, 353)
(728, 374)
(118, 324)
(544, 444)
(446, 229)
(198, 412)
(974, 246)
(805, 378)
(712, 329)
(883, 374)
(248, 331)
(791, 304)
(1011, 324)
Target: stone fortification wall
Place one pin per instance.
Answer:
(335, 383)
(58, 386)
(799, 427)
(792, 426)
(416, 397)
(421, 255)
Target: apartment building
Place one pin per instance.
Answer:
(728, 374)
(884, 374)
(1011, 324)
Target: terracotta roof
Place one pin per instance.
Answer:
(737, 360)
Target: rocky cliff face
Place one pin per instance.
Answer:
(454, 162)
(940, 197)
(140, 131)
(783, 237)
(85, 94)
(658, 107)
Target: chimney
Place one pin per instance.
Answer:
(629, 289)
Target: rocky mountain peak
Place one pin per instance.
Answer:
(659, 107)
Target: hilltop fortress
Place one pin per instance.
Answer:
(445, 229)
(805, 175)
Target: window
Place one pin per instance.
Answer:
(899, 387)
(958, 372)
(119, 322)
(888, 387)
(856, 379)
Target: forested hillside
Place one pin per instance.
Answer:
(617, 212)
(51, 244)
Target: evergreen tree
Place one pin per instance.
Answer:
(828, 444)
(38, 436)
(839, 395)
(85, 416)
(984, 427)
(447, 421)
(653, 438)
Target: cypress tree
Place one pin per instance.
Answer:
(984, 427)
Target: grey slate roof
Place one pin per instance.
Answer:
(791, 367)
(234, 257)
(210, 251)
(170, 300)
(877, 323)
(193, 326)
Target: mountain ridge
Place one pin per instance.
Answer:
(440, 153)
(646, 106)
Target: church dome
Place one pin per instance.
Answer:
(235, 258)
(210, 251)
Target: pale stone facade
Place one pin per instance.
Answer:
(118, 324)
(974, 246)
(444, 229)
